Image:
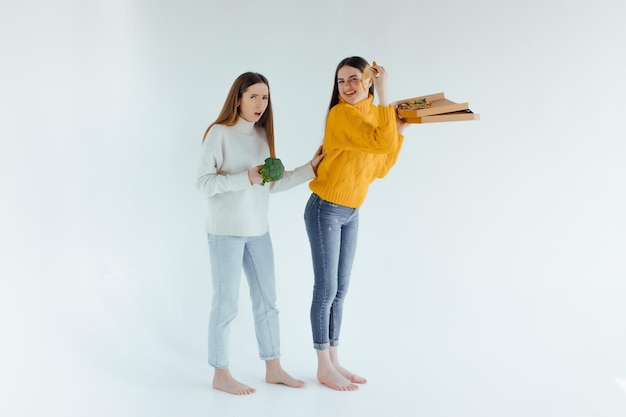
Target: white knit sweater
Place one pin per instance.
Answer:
(237, 208)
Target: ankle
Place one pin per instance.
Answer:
(221, 374)
(273, 366)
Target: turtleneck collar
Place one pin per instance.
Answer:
(244, 126)
(362, 105)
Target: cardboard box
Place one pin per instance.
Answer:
(444, 117)
(433, 108)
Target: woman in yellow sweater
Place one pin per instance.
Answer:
(362, 141)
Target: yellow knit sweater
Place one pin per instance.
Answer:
(362, 144)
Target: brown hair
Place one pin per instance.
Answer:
(230, 111)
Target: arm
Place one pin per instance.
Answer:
(380, 84)
(299, 175)
(391, 158)
(211, 179)
(347, 128)
(379, 79)
(293, 178)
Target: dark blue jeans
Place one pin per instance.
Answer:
(333, 232)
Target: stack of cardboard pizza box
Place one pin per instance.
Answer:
(433, 108)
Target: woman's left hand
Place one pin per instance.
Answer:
(317, 158)
(402, 124)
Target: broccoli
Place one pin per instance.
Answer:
(272, 170)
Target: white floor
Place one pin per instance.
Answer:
(432, 368)
(424, 384)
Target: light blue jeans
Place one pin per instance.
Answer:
(228, 255)
(333, 232)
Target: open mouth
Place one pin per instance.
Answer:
(258, 113)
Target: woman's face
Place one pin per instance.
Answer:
(352, 87)
(253, 102)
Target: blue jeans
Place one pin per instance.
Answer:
(333, 231)
(228, 255)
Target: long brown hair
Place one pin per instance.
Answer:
(230, 111)
(354, 62)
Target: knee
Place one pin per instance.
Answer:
(226, 309)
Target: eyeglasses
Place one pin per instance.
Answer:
(349, 81)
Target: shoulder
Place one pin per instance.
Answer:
(215, 138)
(339, 107)
(217, 134)
(218, 130)
(338, 111)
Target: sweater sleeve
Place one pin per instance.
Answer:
(293, 178)
(391, 158)
(210, 181)
(346, 128)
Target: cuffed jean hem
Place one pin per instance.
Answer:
(218, 366)
(269, 357)
(324, 346)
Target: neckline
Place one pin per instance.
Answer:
(361, 105)
(244, 126)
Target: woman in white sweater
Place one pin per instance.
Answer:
(233, 150)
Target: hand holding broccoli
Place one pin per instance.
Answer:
(272, 170)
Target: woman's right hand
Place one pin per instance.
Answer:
(255, 176)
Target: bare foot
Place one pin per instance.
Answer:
(333, 354)
(224, 381)
(275, 374)
(350, 376)
(333, 379)
(284, 378)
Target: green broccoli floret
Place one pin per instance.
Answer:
(272, 170)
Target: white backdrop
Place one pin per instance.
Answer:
(489, 279)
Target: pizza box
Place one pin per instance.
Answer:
(423, 109)
(455, 116)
